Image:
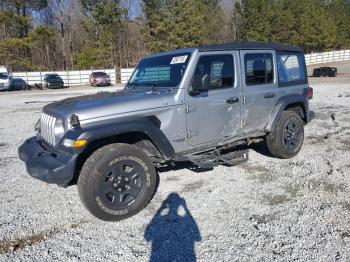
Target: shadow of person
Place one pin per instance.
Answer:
(173, 231)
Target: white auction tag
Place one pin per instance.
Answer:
(179, 59)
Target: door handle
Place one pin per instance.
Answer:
(269, 95)
(232, 100)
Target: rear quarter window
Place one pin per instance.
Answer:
(291, 68)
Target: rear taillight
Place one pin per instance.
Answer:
(310, 92)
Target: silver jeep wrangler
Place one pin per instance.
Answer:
(202, 105)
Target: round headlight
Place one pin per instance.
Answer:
(59, 129)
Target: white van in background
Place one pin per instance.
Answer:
(5, 78)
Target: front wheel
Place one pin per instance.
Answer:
(117, 181)
(287, 138)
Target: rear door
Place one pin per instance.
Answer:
(215, 114)
(259, 86)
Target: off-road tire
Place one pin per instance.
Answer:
(96, 174)
(276, 139)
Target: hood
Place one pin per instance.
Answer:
(104, 104)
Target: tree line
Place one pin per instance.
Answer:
(85, 34)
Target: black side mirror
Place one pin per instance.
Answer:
(200, 84)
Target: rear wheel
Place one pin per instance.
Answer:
(117, 181)
(287, 138)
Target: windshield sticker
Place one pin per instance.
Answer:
(179, 59)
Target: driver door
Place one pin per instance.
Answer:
(214, 114)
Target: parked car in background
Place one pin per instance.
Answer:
(53, 81)
(5, 78)
(325, 71)
(100, 79)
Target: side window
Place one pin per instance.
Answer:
(258, 69)
(291, 68)
(219, 68)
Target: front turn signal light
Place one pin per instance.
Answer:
(75, 143)
(79, 143)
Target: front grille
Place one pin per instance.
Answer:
(47, 125)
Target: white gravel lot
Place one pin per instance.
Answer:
(266, 209)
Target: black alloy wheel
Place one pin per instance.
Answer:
(117, 181)
(291, 135)
(286, 139)
(122, 184)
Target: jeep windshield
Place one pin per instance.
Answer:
(162, 71)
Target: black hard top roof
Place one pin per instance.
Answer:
(249, 46)
(233, 46)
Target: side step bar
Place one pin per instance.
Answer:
(235, 158)
(206, 161)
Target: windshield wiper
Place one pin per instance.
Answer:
(132, 85)
(151, 84)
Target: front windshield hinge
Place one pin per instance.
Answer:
(190, 108)
(191, 134)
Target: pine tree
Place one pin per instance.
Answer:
(103, 24)
(283, 24)
(314, 26)
(307, 23)
(340, 12)
(16, 47)
(256, 20)
(180, 23)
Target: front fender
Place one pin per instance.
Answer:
(108, 128)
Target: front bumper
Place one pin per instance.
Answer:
(47, 166)
(55, 85)
(4, 87)
(103, 83)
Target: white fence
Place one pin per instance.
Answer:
(326, 57)
(70, 78)
(125, 74)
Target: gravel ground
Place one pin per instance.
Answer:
(265, 209)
